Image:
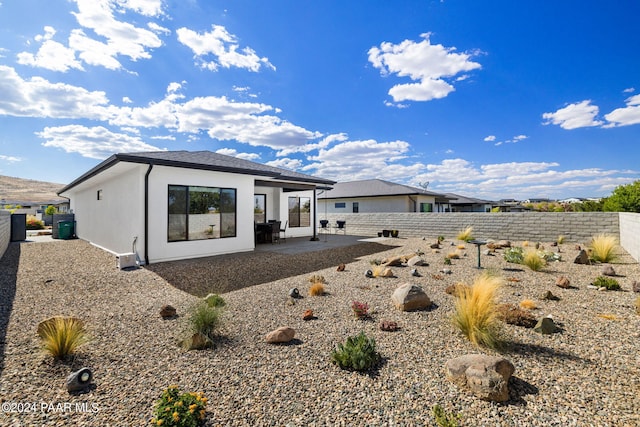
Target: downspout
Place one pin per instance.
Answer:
(146, 214)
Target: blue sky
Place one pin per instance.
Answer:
(496, 99)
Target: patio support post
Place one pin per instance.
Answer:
(315, 215)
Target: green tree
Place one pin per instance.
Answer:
(50, 210)
(625, 198)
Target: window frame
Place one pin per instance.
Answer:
(187, 211)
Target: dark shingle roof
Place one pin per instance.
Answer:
(204, 160)
(458, 199)
(374, 188)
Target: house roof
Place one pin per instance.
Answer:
(457, 199)
(375, 188)
(203, 160)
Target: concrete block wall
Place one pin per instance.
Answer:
(630, 233)
(5, 231)
(535, 226)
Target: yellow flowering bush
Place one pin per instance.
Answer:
(178, 409)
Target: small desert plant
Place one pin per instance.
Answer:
(375, 261)
(638, 305)
(440, 239)
(317, 278)
(525, 244)
(475, 311)
(607, 282)
(215, 300)
(360, 309)
(180, 409)
(447, 260)
(316, 289)
(204, 320)
(514, 255)
(603, 248)
(443, 418)
(560, 240)
(357, 353)
(453, 255)
(532, 260)
(465, 235)
(528, 304)
(513, 315)
(61, 336)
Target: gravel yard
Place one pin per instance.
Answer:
(586, 375)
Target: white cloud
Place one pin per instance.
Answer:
(10, 159)
(223, 46)
(234, 153)
(629, 115)
(143, 7)
(93, 142)
(127, 100)
(38, 97)
(51, 55)
(286, 163)
(629, 90)
(428, 65)
(574, 116)
(490, 138)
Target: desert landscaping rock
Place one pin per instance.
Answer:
(563, 282)
(585, 376)
(545, 326)
(487, 377)
(408, 297)
(281, 335)
(582, 258)
(168, 312)
(608, 270)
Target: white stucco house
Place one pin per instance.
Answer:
(171, 205)
(377, 195)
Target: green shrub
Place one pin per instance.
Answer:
(180, 409)
(443, 418)
(215, 300)
(514, 254)
(607, 282)
(34, 223)
(357, 353)
(61, 336)
(447, 260)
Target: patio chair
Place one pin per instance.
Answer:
(275, 231)
(341, 226)
(284, 230)
(324, 226)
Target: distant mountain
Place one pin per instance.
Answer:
(27, 190)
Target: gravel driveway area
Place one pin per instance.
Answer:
(586, 375)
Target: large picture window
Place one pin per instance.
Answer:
(198, 213)
(299, 211)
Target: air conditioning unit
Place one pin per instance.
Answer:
(126, 261)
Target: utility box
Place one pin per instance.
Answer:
(18, 227)
(127, 260)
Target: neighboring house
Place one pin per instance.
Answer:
(460, 203)
(376, 195)
(173, 205)
(35, 208)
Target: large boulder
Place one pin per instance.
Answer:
(487, 377)
(409, 297)
(281, 335)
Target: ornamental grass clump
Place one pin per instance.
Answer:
(465, 235)
(475, 312)
(61, 336)
(316, 289)
(357, 353)
(203, 322)
(180, 409)
(603, 247)
(533, 260)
